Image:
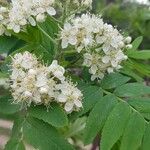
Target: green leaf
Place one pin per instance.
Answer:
(6, 43)
(143, 54)
(91, 95)
(34, 35)
(128, 71)
(141, 68)
(133, 134)
(98, 117)
(50, 27)
(6, 105)
(136, 43)
(115, 125)
(132, 90)
(14, 144)
(42, 136)
(146, 138)
(16, 140)
(146, 115)
(140, 104)
(114, 80)
(54, 115)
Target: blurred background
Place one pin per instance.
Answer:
(132, 17)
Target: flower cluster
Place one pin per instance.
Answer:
(34, 82)
(101, 43)
(3, 20)
(23, 12)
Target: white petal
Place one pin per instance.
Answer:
(72, 40)
(110, 70)
(16, 28)
(62, 98)
(106, 48)
(69, 106)
(64, 43)
(51, 11)
(93, 77)
(78, 103)
(100, 39)
(106, 59)
(93, 69)
(32, 21)
(114, 63)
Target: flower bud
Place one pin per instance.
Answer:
(128, 39)
(129, 46)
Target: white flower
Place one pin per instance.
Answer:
(99, 65)
(57, 70)
(70, 96)
(102, 44)
(80, 31)
(22, 12)
(25, 60)
(68, 35)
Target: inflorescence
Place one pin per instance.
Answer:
(101, 44)
(40, 84)
(22, 12)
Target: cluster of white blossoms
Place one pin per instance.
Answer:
(40, 84)
(23, 12)
(3, 20)
(102, 44)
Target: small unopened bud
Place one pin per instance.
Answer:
(129, 46)
(43, 90)
(128, 39)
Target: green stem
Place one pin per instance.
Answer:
(69, 52)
